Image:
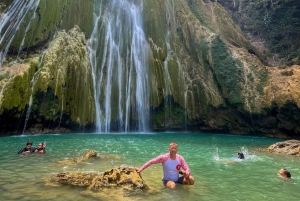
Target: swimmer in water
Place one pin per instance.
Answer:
(284, 173)
(241, 155)
(27, 149)
(41, 148)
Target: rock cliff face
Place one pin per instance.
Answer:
(272, 26)
(58, 87)
(204, 74)
(211, 65)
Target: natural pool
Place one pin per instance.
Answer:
(208, 156)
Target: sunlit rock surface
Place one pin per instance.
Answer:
(123, 178)
(283, 86)
(87, 157)
(289, 147)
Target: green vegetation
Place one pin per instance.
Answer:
(62, 86)
(281, 26)
(227, 72)
(44, 106)
(197, 11)
(45, 24)
(6, 2)
(276, 21)
(17, 90)
(169, 115)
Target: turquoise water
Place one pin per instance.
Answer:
(209, 156)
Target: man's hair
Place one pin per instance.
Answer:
(287, 173)
(29, 143)
(173, 143)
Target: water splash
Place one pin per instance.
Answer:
(118, 55)
(216, 156)
(248, 155)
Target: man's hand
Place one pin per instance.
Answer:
(137, 170)
(185, 175)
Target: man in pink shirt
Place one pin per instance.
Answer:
(172, 163)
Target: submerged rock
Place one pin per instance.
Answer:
(123, 178)
(88, 156)
(289, 147)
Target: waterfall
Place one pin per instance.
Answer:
(118, 56)
(172, 55)
(10, 21)
(29, 106)
(32, 82)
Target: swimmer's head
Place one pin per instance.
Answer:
(284, 173)
(241, 155)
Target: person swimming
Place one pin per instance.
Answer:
(241, 155)
(284, 173)
(41, 148)
(27, 149)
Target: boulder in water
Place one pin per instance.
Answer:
(123, 178)
(289, 147)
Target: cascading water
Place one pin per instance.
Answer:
(9, 25)
(118, 55)
(172, 55)
(10, 22)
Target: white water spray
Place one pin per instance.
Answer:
(10, 22)
(119, 54)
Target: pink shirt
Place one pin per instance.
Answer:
(163, 158)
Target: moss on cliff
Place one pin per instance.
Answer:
(169, 115)
(45, 107)
(5, 4)
(60, 84)
(15, 85)
(199, 44)
(66, 70)
(40, 25)
(227, 71)
(203, 71)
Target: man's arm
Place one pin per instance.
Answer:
(184, 165)
(158, 159)
(21, 151)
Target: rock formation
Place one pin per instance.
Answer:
(87, 157)
(289, 147)
(124, 177)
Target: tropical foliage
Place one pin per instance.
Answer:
(277, 22)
